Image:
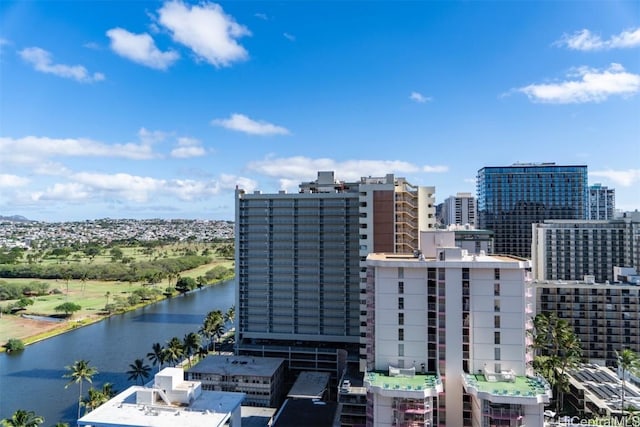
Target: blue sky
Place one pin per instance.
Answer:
(134, 109)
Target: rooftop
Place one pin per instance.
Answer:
(504, 391)
(423, 384)
(310, 385)
(603, 387)
(170, 402)
(212, 408)
(238, 365)
(465, 257)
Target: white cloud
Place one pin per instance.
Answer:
(206, 30)
(585, 40)
(418, 97)
(188, 147)
(149, 137)
(292, 170)
(140, 48)
(289, 37)
(435, 169)
(33, 149)
(242, 123)
(51, 169)
(589, 85)
(42, 61)
(262, 16)
(624, 178)
(63, 192)
(11, 181)
(130, 187)
(119, 187)
(230, 182)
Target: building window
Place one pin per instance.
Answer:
(496, 289)
(400, 334)
(401, 303)
(400, 272)
(496, 273)
(496, 322)
(400, 318)
(496, 353)
(497, 367)
(496, 337)
(496, 305)
(401, 287)
(400, 350)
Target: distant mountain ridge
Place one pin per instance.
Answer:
(14, 218)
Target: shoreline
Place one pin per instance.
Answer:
(72, 324)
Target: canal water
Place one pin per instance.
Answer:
(33, 379)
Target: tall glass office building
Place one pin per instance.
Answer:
(511, 198)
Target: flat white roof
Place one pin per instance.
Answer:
(211, 408)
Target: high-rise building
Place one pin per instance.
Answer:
(459, 210)
(570, 250)
(604, 316)
(301, 264)
(512, 198)
(447, 341)
(602, 202)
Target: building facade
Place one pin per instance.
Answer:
(570, 250)
(446, 340)
(301, 264)
(602, 202)
(512, 198)
(261, 379)
(605, 317)
(459, 210)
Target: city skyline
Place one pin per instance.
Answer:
(160, 109)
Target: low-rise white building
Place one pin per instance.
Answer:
(169, 402)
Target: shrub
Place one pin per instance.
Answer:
(14, 344)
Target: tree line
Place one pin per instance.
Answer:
(152, 270)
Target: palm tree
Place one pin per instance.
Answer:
(628, 361)
(558, 350)
(202, 352)
(156, 356)
(79, 372)
(174, 351)
(191, 343)
(230, 315)
(138, 370)
(213, 326)
(22, 418)
(98, 397)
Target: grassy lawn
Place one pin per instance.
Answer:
(90, 295)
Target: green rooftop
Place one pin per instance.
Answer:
(400, 382)
(522, 386)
